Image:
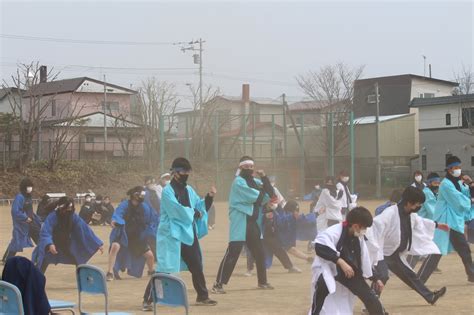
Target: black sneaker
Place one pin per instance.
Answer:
(117, 276)
(147, 307)
(265, 286)
(218, 289)
(470, 278)
(206, 302)
(437, 294)
(109, 276)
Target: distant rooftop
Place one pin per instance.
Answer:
(412, 76)
(371, 119)
(421, 102)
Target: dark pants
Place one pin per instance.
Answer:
(272, 244)
(461, 246)
(254, 244)
(356, 285)
(192, 257)
(407, 275)
(211, 219)
(33, 232)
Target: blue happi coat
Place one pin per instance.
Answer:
(125, 259)
(427, 211)
(241, 201)
(84, 243)
(22, 205)
(451, 208)
(177, 226)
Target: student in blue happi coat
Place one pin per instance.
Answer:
(133, 223)
(65, 238)
(26, 224)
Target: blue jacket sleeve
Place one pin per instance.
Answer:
(459, 201)
(17, 208)
(119, 213)
(247, 194)
(46, 232)
(174, 209)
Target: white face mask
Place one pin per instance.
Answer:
(29, 190)
(345, 179)
(457, 172)
(418, 178)
(361, 233)
(88, 199)
(167, 182)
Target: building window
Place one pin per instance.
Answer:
(472, 160)
(89, 139)
(111, 106)
(468, 117)
(423, 162)
(427, 95)
(371, 99)
(448, 119)
(53, 108)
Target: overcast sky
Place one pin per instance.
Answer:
(265, 44)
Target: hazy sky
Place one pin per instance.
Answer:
(265, 44)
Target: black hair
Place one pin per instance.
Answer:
(25, 182)
(396, 195)
(432, 175)
(64, 202)
(87, 195)
(245, 158)
(413, 195)
(291, 206)
(98, 197)
(181, 162)
(343, 173)
(417, 172)
(330, 178)
(134, 190)
(360, 215)
(452, 159)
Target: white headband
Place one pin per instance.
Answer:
(246, 162)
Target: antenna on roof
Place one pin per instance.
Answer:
(424, 65)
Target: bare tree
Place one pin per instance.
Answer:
(465, 78)
(28, 107)
(126, 131)
(157, 101)
(202, 120)
(65, 130)
(332, 86)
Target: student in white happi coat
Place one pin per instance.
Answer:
(329, 205)
(342, 263)
(399, 231)
(348, 200)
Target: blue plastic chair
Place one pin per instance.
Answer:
(169, 290)
(10, 299)
(91, 280)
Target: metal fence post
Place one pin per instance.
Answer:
(302, 176)
(244, 141)
(186, 144)
(352, 148)
(216, 147)
(273, 144)
(331, 144)
(162, 144)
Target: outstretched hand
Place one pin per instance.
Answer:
(443, 227)
(212, 191)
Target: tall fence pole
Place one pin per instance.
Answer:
(216, 147)
(253, 131)
(186, 145)
(352, 148)
(244, 129)
(273, 144)
(285, 136)
(331, 144)
(302, 176)
(162, 145)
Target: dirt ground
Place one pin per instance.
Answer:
(291, 294)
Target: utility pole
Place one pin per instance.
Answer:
(424, 65)
(378, 174)
(105, 119)
(197, 58)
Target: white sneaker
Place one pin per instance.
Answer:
(248, 273)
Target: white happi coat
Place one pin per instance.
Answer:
(340, 300)
(344, 203)
(385, 233)
(327, 208)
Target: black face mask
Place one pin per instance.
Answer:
(434, 189)
(183, 179)
(246, 173)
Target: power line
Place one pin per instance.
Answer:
(83, 41)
